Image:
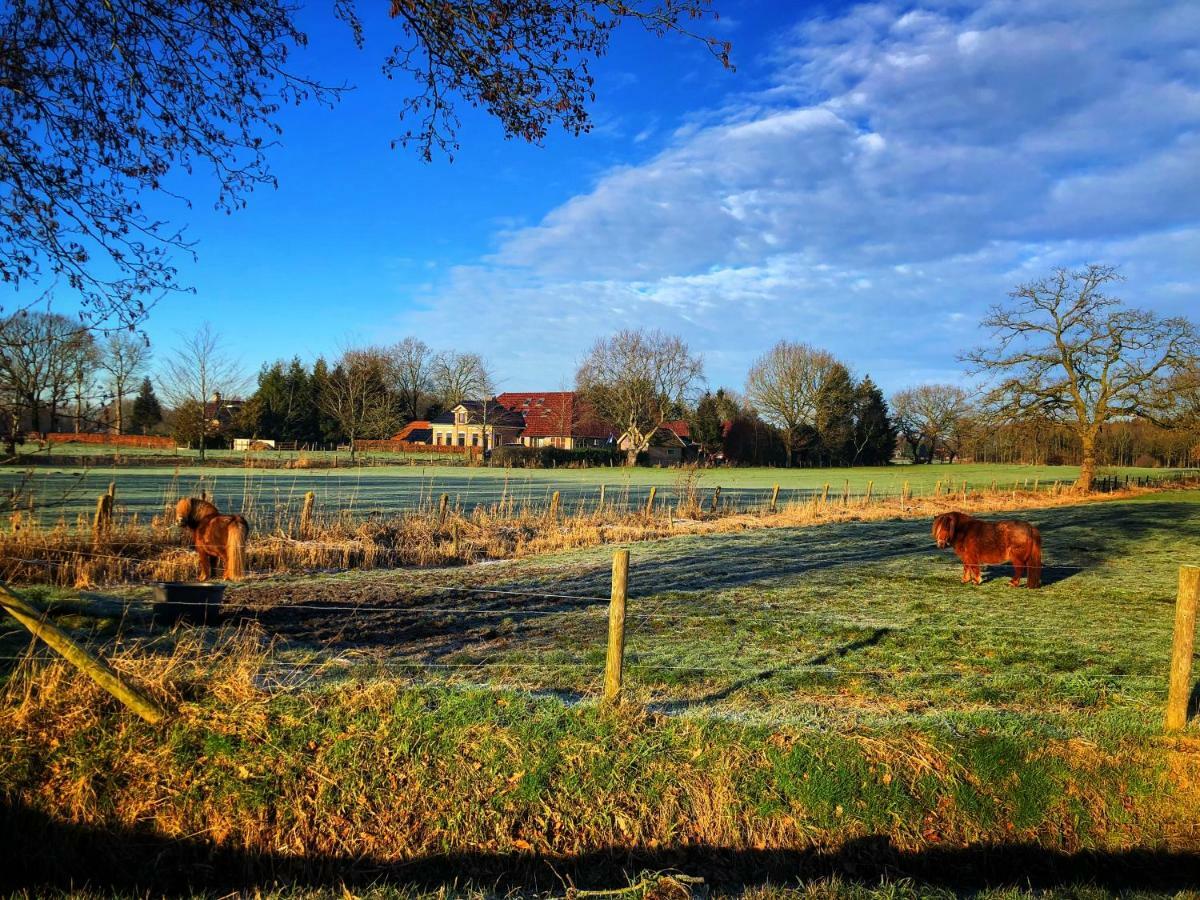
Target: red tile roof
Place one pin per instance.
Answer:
(679, 428)
(555, 414)
(418, 425)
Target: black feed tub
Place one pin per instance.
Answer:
(199, 603)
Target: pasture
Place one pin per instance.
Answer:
(800, 700)
(62, 494)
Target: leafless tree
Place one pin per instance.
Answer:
(461, 376)
(100, 103)
(410, 367)
(638, 380)
(937, 415)
(1066, 351)
(784, 387)
(196, 370)
(123, 358)
(355, 395)
(42, 357)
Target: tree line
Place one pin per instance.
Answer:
(1068, 373)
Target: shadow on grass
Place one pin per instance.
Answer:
(821, 659)
(45, 852)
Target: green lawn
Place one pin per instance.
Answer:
(66, 492)
(850, 626)
(830, 688)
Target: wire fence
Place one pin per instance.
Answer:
(565, 606)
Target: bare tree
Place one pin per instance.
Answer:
(197, 370)
(410, 366)
(100, 103)
(461, 376)
(123, 357)
(936, 415)
(42, 355)
(1067, 351)
(785, 386)
(355, 395)
(638, 380)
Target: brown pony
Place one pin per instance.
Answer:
(977, 542)
(217, 536)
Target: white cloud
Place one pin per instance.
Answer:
(900, 174)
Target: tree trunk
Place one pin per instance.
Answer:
(788, 438)
(1087, 468)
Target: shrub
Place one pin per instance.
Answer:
(554, 457)
(1146, 461)
(512, 455)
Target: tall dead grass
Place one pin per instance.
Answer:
(385, 771)
(73, 555)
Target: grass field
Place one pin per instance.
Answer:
(68, 492)
(802, 701)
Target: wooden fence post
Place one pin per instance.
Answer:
(600, 507)
(775, 498)
(1182, 647)
(616, 627)
(650, 501)
(937, 489)
(445, 502)
(846, 493)
(825, 493)
(716, 498)
(905, 493)
(306, 513)
(870, 488)
(964, 490)
(96, 669)
(102, 521)
(554, 505)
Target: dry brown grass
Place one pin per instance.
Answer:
(381, 770)
(73, 556)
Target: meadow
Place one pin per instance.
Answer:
(810, 702)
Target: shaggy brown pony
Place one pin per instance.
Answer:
(977, 542)
(217, 536)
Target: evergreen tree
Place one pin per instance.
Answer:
(874, 434)
(706, 423)
(834, 420)
(147, 411)
(326, 427)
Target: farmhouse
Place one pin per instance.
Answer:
(220, 412)
(477, 423)
(671, 445)
(534, 419)
(557, 419)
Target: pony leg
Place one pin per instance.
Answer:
(204, 566)
(1018, 570)
(966, 575)
(977, 573)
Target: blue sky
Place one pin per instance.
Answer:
(869, 180)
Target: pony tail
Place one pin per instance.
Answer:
(1033, 574)
(235, 549)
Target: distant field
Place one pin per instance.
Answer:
(145, 490)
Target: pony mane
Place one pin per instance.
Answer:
(190, 511)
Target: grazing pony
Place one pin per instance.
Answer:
(977, 542)
(217, 536)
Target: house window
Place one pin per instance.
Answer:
(462, 440)
(474, 440)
